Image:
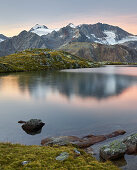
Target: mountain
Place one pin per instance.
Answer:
(21, 42)
(3, 37)
(40, 36)
(99, 33)
(106, 34)
(41, 30)
(101, 52)
(64, 36)
(42, 59)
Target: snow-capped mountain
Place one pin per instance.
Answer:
(3, 37)
(106, 34)
(99, 33)
(41, 30)
(41, 36)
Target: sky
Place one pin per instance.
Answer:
(18, 15)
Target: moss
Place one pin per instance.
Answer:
(42, 59)
(12, 156)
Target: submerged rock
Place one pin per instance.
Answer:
(84, 142)
(32, 126)
(63, 156)
(114, 150)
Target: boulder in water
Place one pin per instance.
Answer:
(32, 126)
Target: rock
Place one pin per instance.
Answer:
(24, 162)
(116, 133)
(63, 156)
(131, 143)
(84, 142)
(32, 126)
(77, 152)
(61, 140)
(91, 140)
(114, 150)
(89, 151)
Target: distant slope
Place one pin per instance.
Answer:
(21, 42)
(42, 59)
(99, 52)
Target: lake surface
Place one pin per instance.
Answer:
(71, 102)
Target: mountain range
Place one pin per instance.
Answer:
(106, 37)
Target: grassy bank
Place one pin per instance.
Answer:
(42, 59)
(12, 156)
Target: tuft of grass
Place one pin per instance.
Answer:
(39, 157)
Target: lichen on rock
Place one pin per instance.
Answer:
(113, 150)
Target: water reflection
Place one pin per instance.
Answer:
(31, 132)
(97, 85)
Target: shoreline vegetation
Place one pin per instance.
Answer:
(17, 156)
(42, 59)
(46, 59)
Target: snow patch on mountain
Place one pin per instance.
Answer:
(42, 30)
(72, 25)
(1, 40)
(110, 38)
(127, 39)
(88, 37)
(93, 35)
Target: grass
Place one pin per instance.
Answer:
(39, 157)
(42, 59)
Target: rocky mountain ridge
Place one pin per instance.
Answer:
(108, 36)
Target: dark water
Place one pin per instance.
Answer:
(74, 102)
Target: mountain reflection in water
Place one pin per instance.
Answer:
(96, 85)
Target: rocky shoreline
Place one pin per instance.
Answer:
(34, 126)
(112, 151)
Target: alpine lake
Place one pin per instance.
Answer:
(70, 102)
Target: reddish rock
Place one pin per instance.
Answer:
(84, 142)
(116, 133)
